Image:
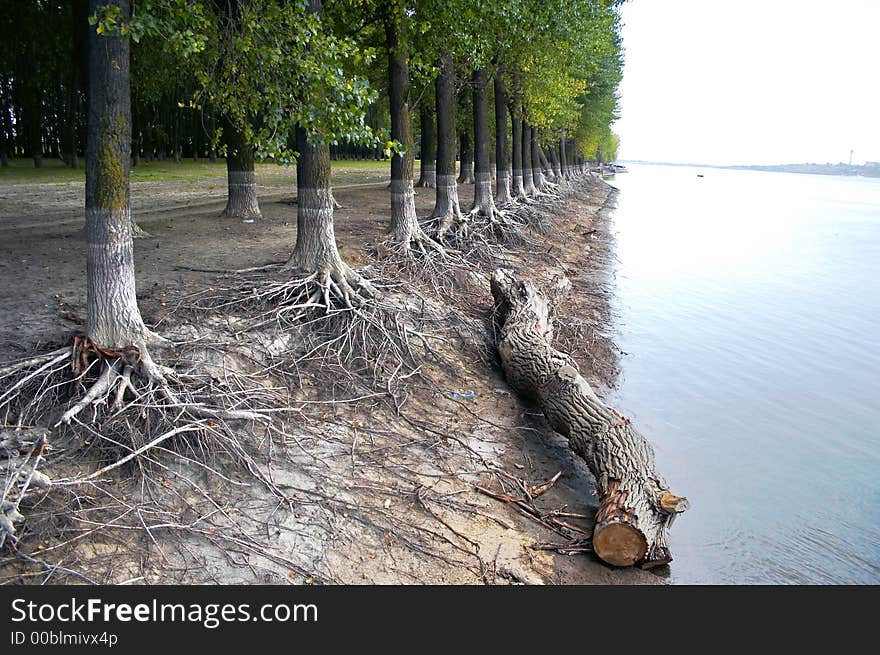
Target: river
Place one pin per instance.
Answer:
(748, 308)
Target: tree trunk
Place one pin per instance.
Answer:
(563, 160)
(315, 247)
(240, 177)
(537, 167)
(404, 228)
(315, 250)
(545, 165)
(466, 158)
(114, 320)
(635, 505)
(516, 154)
(427, 171)
(446, 205)
(554, 162)
(484, 203)
(528, 177)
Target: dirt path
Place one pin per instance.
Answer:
(381, 503)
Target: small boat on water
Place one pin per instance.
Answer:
(618, 168)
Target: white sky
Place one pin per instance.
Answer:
(750, 81)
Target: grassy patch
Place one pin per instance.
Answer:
(22, 171)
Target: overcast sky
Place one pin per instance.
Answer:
(750, 81)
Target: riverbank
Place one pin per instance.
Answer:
(381, 489)
(752, 365)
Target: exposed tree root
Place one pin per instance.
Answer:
(415, 244)
(333, 321)
(452, 224)
(124, 396)
(122, 406)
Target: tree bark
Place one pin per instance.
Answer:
(241, 201)
(315, 247)
(315, 250)
(537, 166)
(554, 162)
(446, 205)
(547, 170)
(484, 203)
(114, 320)
(528, 177)
(563, 160)
(516, 154)
(404, 228)
(636, 506)
(427, 170)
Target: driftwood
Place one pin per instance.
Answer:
(636, 506)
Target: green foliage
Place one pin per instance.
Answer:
(269, 65)
(266, 66)
(279, 67)
(562, 59)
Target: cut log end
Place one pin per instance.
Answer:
(619, 543)
(617, 539)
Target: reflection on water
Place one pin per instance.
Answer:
(748, 304)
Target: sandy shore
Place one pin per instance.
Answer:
(380, 491)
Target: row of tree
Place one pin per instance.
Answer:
(289, 79)
(195, 61)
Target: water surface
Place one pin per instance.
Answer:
(748, 304)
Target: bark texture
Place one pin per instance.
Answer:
(315, 250)
(547, 169)
(502, 156)
(636, 506)
(528, 177)
(563, 160)
(404, 229)
(518, 190)
(554, 162)
(241, 200)
(484, 203)
(427, 170)
(114, 320)
(447, 209)
(537, 164)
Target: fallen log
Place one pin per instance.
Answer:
(636, 507)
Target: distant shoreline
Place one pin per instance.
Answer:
(871, 169)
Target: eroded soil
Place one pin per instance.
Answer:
(379, 491)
